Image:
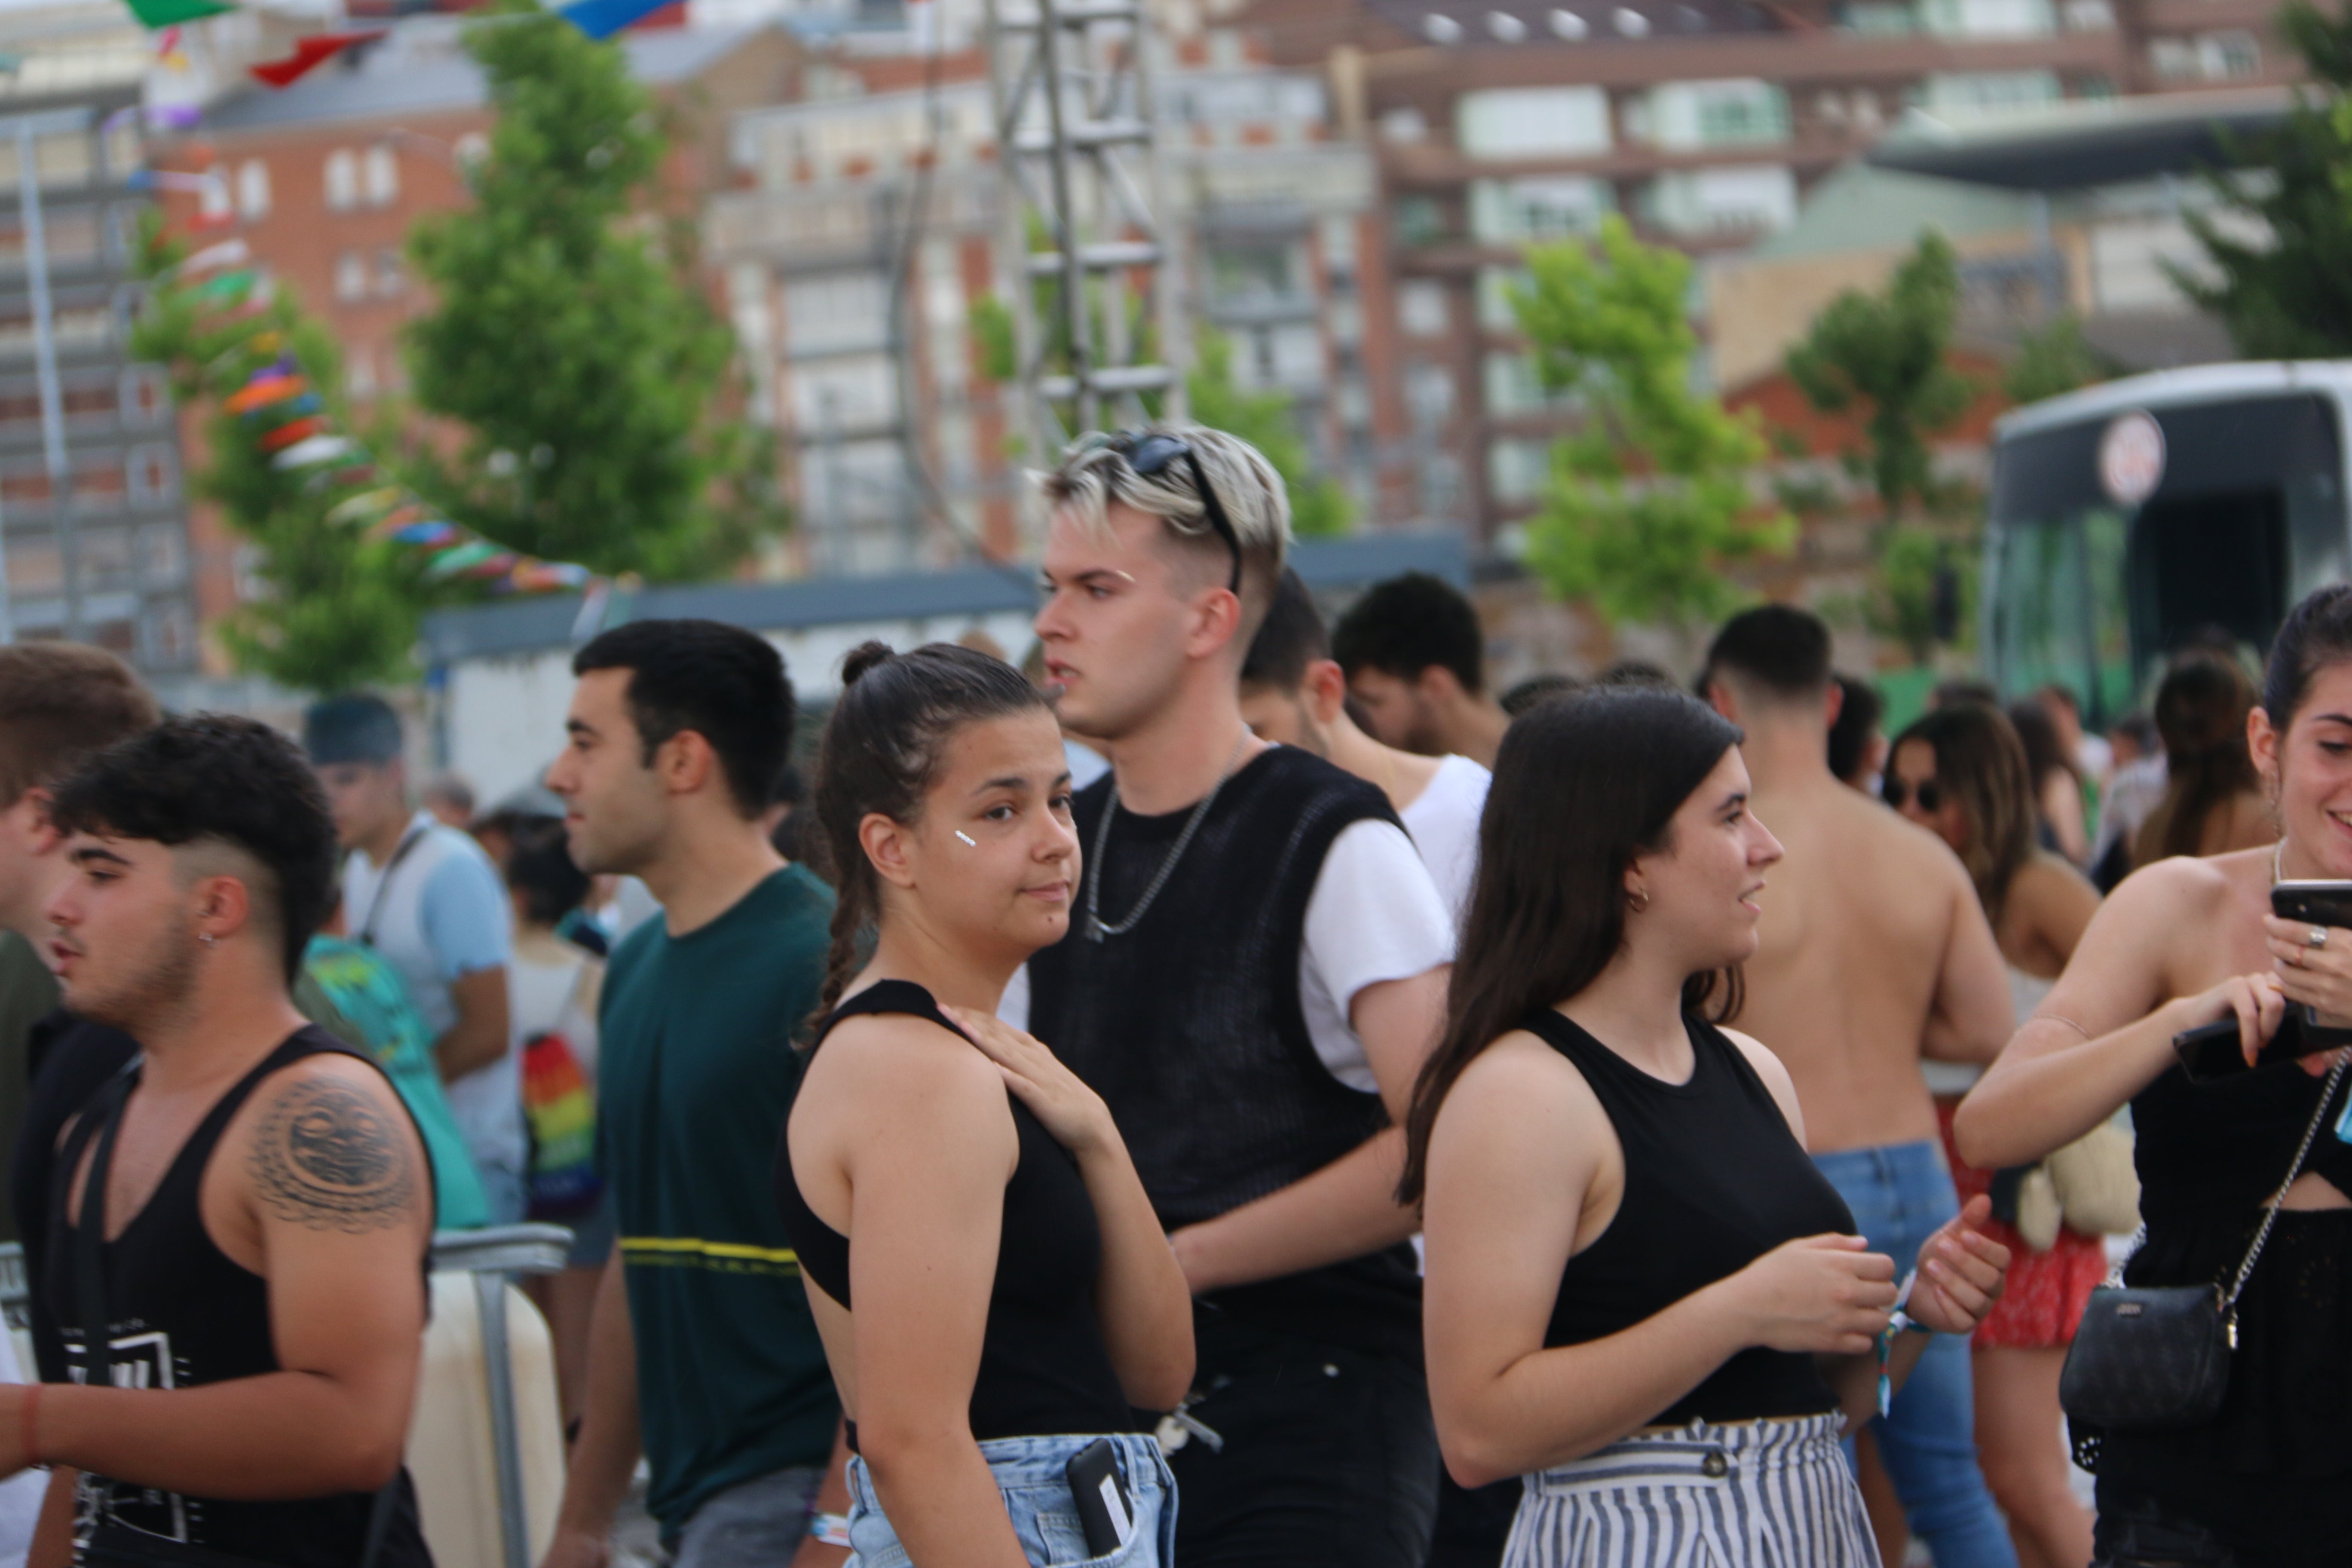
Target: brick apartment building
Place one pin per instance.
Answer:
(1494, 123)
(902, 444)
(324, 179)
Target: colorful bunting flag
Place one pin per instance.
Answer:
(353, 509)
(228, 252)
(602, 18)
(263, 391)
(292, 433)
(459, 557)
(155, 15)
(309, 54)
(315, 450)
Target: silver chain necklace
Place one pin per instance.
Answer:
(1096, 928)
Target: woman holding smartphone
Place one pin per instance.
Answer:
(1963, 774)
(1642, 1294)
(994, 1292)
(2181, 944)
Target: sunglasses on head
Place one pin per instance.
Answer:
(1149, 453)
(1931, 797)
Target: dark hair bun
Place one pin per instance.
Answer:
(863, 657)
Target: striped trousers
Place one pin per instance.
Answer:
(1762, 1494)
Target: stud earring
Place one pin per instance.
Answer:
(1639, 899)
(206, 937)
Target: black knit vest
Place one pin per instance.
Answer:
(1190, 1024)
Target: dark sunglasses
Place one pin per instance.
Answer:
(1931, 797)
(1149, 453)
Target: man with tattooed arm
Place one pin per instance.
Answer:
(263, 1195)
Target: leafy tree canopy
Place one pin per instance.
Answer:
(1649, 500)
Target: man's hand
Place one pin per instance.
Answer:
(577, 1549)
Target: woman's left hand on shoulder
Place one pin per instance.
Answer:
(1961, 1272)
(1058, 1098)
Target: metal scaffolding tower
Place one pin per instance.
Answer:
(1096, 314)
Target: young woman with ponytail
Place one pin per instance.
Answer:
(1643, 1296)
(995, 1294)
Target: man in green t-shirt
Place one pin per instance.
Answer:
(59, 703)
(677, 729)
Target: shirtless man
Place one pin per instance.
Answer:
(268, 1200)
(1872, 953)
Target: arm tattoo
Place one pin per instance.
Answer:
(327, 1157)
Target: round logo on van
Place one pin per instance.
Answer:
(2131, 458)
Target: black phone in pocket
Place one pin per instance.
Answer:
(1106, 1508)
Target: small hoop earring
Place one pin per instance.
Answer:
(206, 937)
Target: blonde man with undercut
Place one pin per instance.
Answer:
(1254, 972)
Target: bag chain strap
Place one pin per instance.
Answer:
(2271, 1213)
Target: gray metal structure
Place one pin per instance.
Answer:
(1078, 140)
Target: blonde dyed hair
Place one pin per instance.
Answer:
(1093, 477)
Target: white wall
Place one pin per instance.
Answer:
(505, 715)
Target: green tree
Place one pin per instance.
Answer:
(1268, 421)
(1923, 589)
(1885, 357)
(568, 338)
(2055, 358)
(342, 609)
(1649, 499)
(2287, 294)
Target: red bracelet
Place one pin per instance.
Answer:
(31, 1424)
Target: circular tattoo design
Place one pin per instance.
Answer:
(328, 1157)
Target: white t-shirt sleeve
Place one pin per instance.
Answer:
(1375, 915)
(1012, 1007)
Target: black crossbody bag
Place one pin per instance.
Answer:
(113, 1545)
(2157, 1359)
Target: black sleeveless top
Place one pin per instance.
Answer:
(1714, 1180)
(185, 1315)
(2209, 1156)
(1044, 1369)
(1190, 1029)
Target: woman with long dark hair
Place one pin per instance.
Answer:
(1642, 1294)
(2055, 778)
(1963, 774)
(2213, 794)
(2183, 942)
(994, 1292)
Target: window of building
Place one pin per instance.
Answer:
(1708, 201)
(154, 470)
(144, 395)
(835, 311)
(381, 175)
(2174, 59)
(358, 371)
(1428, 393)
(390, 272)
(1422, 309)
(1518, 211)
(1295, 357)
(1980, 90)
(1406, 125)
(1338, 232)
(253, 190)
(1497, 285)
(350, 276)
(342, 180)
(833, 395)
(1517, 471)
(163, 553)
(2089, 16)
(1731, 113)
(167, 633)
(1513, 387)
(1239, 272)
(2225, 56)
(1519, 123)
(1989, 18)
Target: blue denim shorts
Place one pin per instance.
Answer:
(1028, 1472)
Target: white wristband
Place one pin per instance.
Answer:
(830, 1529)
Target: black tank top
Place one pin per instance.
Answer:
(1714, 1180)
(185, 1315)
(1044, 1369)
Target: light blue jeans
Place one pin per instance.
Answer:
(1028, 1472)
(1899, 1194)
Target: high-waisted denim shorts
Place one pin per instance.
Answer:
(1029, 1476)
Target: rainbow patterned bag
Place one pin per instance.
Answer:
(561, 1113)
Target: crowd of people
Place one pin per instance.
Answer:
(1233, 1091)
